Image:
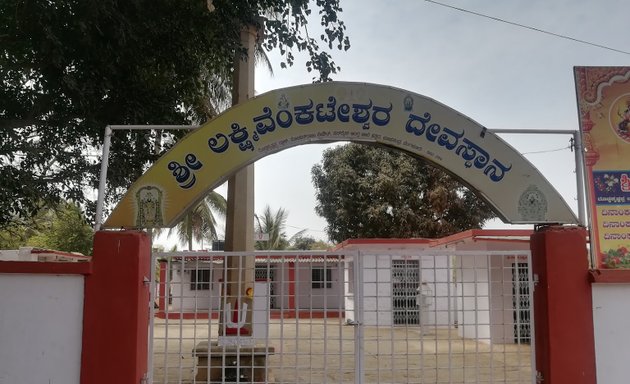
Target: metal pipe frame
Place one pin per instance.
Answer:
(107, 141)
(579, 160)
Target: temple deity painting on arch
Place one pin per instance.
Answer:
(149, 207)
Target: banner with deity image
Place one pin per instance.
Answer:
(603, 95)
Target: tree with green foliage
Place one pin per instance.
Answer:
(62, 228)
(16, 233)
(309, 243)
(273, 223)
(69, 68)
(367, 191)
(303, 243)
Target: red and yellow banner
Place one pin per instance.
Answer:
(603, 95)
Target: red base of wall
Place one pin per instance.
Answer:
(610, 276)
(274, 314)
(49, 268)
(306, 314)
(186, 315)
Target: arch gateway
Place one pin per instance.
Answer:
(340, 111)
(364, 113)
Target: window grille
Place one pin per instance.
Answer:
(321, 278)
(200, 280)
(262, 272)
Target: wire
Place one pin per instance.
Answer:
(528, 27)
(308, 229)
(546, 150)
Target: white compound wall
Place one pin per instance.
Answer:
(611, 314)
(41, 323)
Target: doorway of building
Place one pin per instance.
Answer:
(268, 273)
(521, 303)
(405, 283)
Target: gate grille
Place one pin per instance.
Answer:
(459, 327)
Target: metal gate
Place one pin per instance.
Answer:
(337, 319)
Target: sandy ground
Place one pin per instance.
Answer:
(323, 351)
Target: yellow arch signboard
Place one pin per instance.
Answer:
(339, 111)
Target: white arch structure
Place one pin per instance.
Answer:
(340, 111)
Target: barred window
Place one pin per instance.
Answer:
(200, 279)
(321, 277)
(262, 272)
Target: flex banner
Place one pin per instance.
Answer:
(335, 111)
(603, 96)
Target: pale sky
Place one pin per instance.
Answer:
(500, 75)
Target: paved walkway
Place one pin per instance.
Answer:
(323, 351)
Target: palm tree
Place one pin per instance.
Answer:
(274, 224)
(200, 223)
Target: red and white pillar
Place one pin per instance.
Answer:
(116, 309)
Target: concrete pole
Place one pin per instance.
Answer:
(239, 232)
